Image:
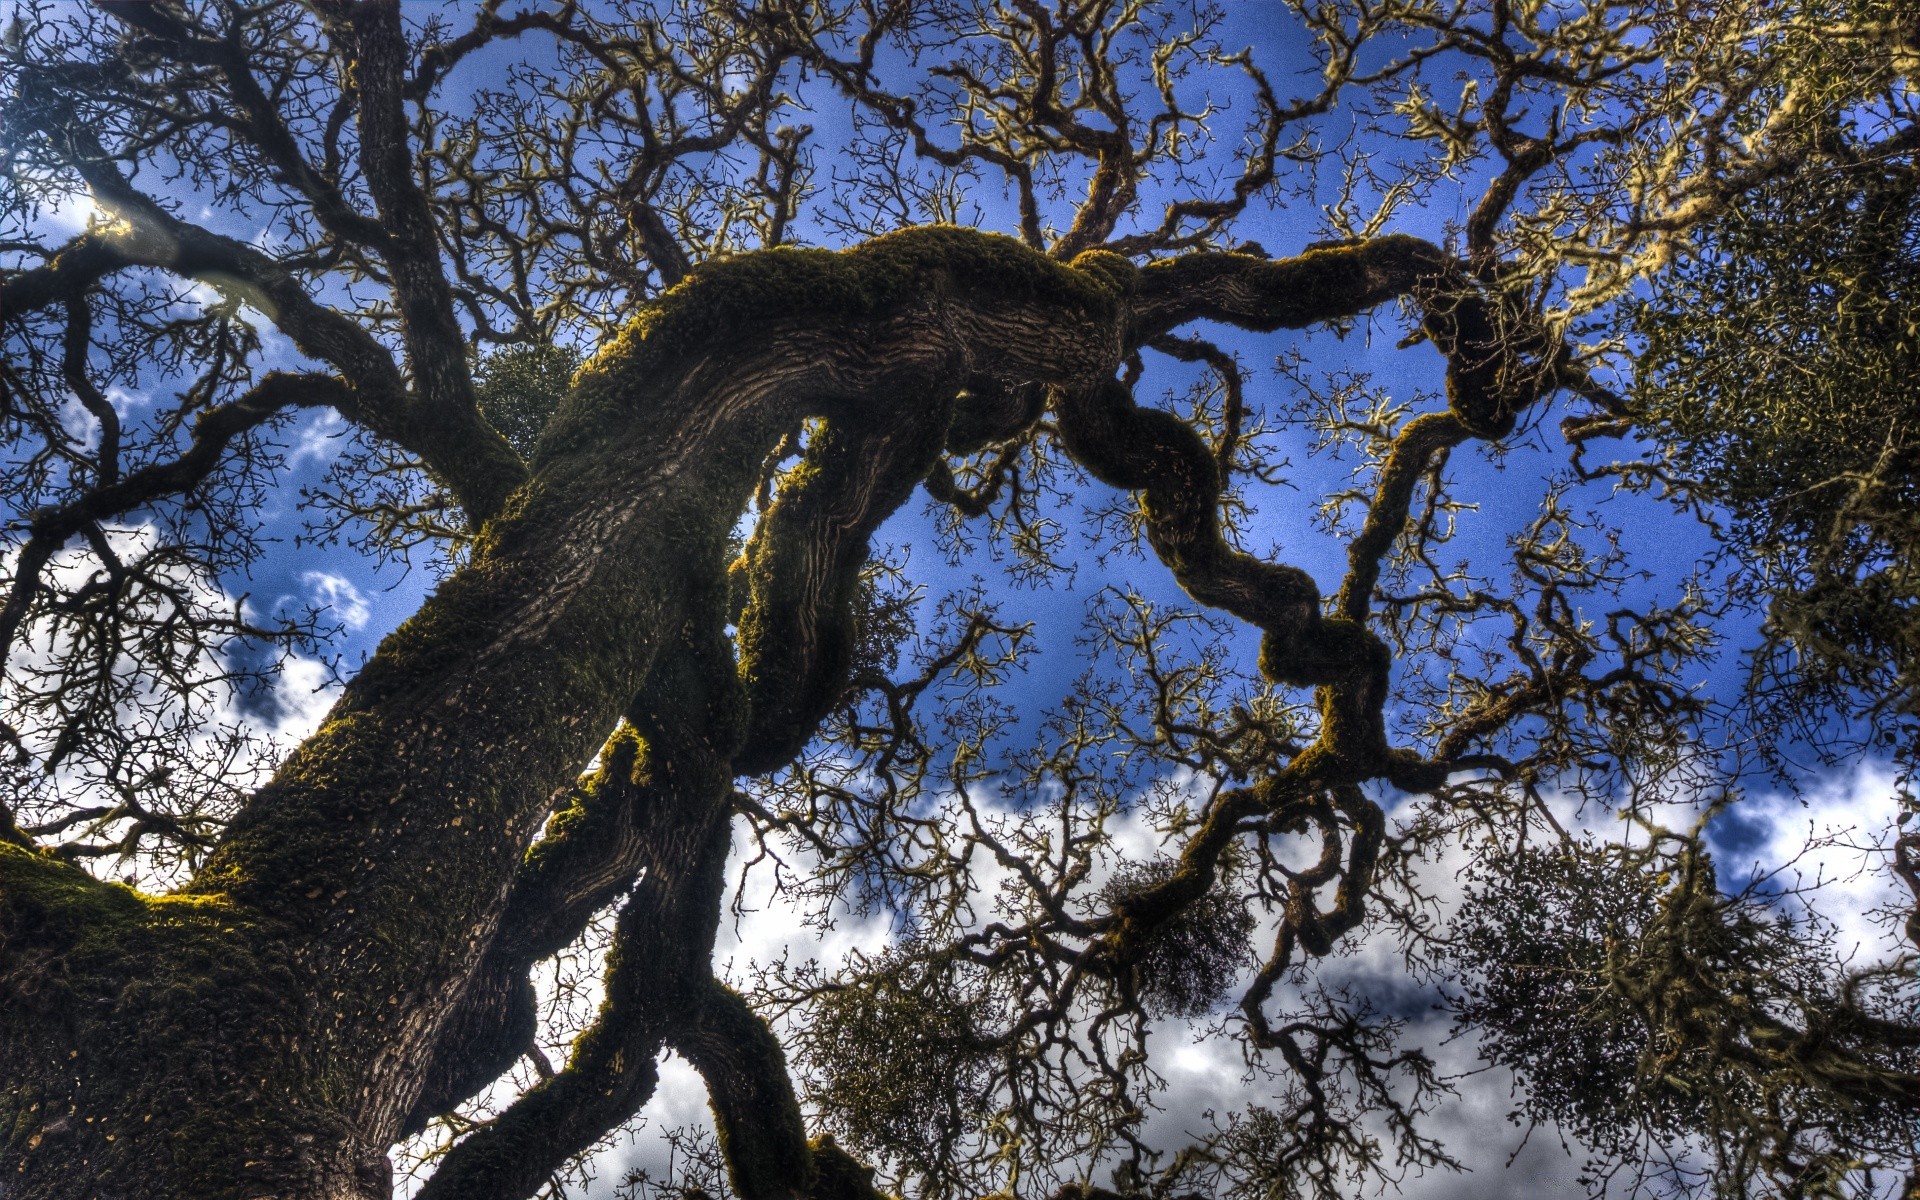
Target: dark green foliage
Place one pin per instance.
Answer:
(906, 1062)
(1540, 935)
(1192, 959)
(1649, 1013)
(1782, 379)
(519, 387)
(883, 621)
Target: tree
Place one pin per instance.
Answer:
(1820, 484)
(1816, 470)
(606, 683)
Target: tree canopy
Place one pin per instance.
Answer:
(755, 382)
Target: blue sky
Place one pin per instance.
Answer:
(369, 600)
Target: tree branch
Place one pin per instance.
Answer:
(802, 569)
(472, 455)
(67, 274)
(662, 944)
(261, 119)
(50, 529)
(1257, 293)
(755, 1110)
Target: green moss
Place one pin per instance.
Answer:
(756, 1116)
(142, 1034)
(275, 849)
(1329, 650)
(588, 812)
(1116, 272)
(46, 890)
(838, 1175)
(454, 622)
(724, 300)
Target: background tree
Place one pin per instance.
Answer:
(1814, 465)
(424, 227)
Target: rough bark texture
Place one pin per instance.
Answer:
(352, 958)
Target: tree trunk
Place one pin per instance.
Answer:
(339, 964)
(267, 1031)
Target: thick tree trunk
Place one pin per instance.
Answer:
(274, 1027)
(267, 1032)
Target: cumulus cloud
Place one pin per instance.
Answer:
(199, 736)
(68, 214)
(307, 689)
(1830, 835)
(1830, 849)
(337, 594)
(317, 439)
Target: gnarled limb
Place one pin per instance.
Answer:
(802, 568)
(456, 442)
(662, 942)
(1492, 375)
(630, 816)
(755, 1111)
(1251, 291)
(67, 274)
(1413, 453)
(485, 470)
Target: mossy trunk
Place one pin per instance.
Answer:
(267, 1031)
(338, 966)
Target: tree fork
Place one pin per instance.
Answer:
(368, 880)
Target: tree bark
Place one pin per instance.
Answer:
(275, 1026)
(267, 1031)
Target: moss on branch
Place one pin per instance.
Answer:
(725, 300)
(398, 823)
(755, 1111)
(1262, 294)
(802, 569)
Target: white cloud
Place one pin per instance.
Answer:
(199, 722)
(305, 691)
(338, 594)
(1835, 840)
(79, 424)
(1502, 1159)
(71, 214)
(317, 439)
(124, 401)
